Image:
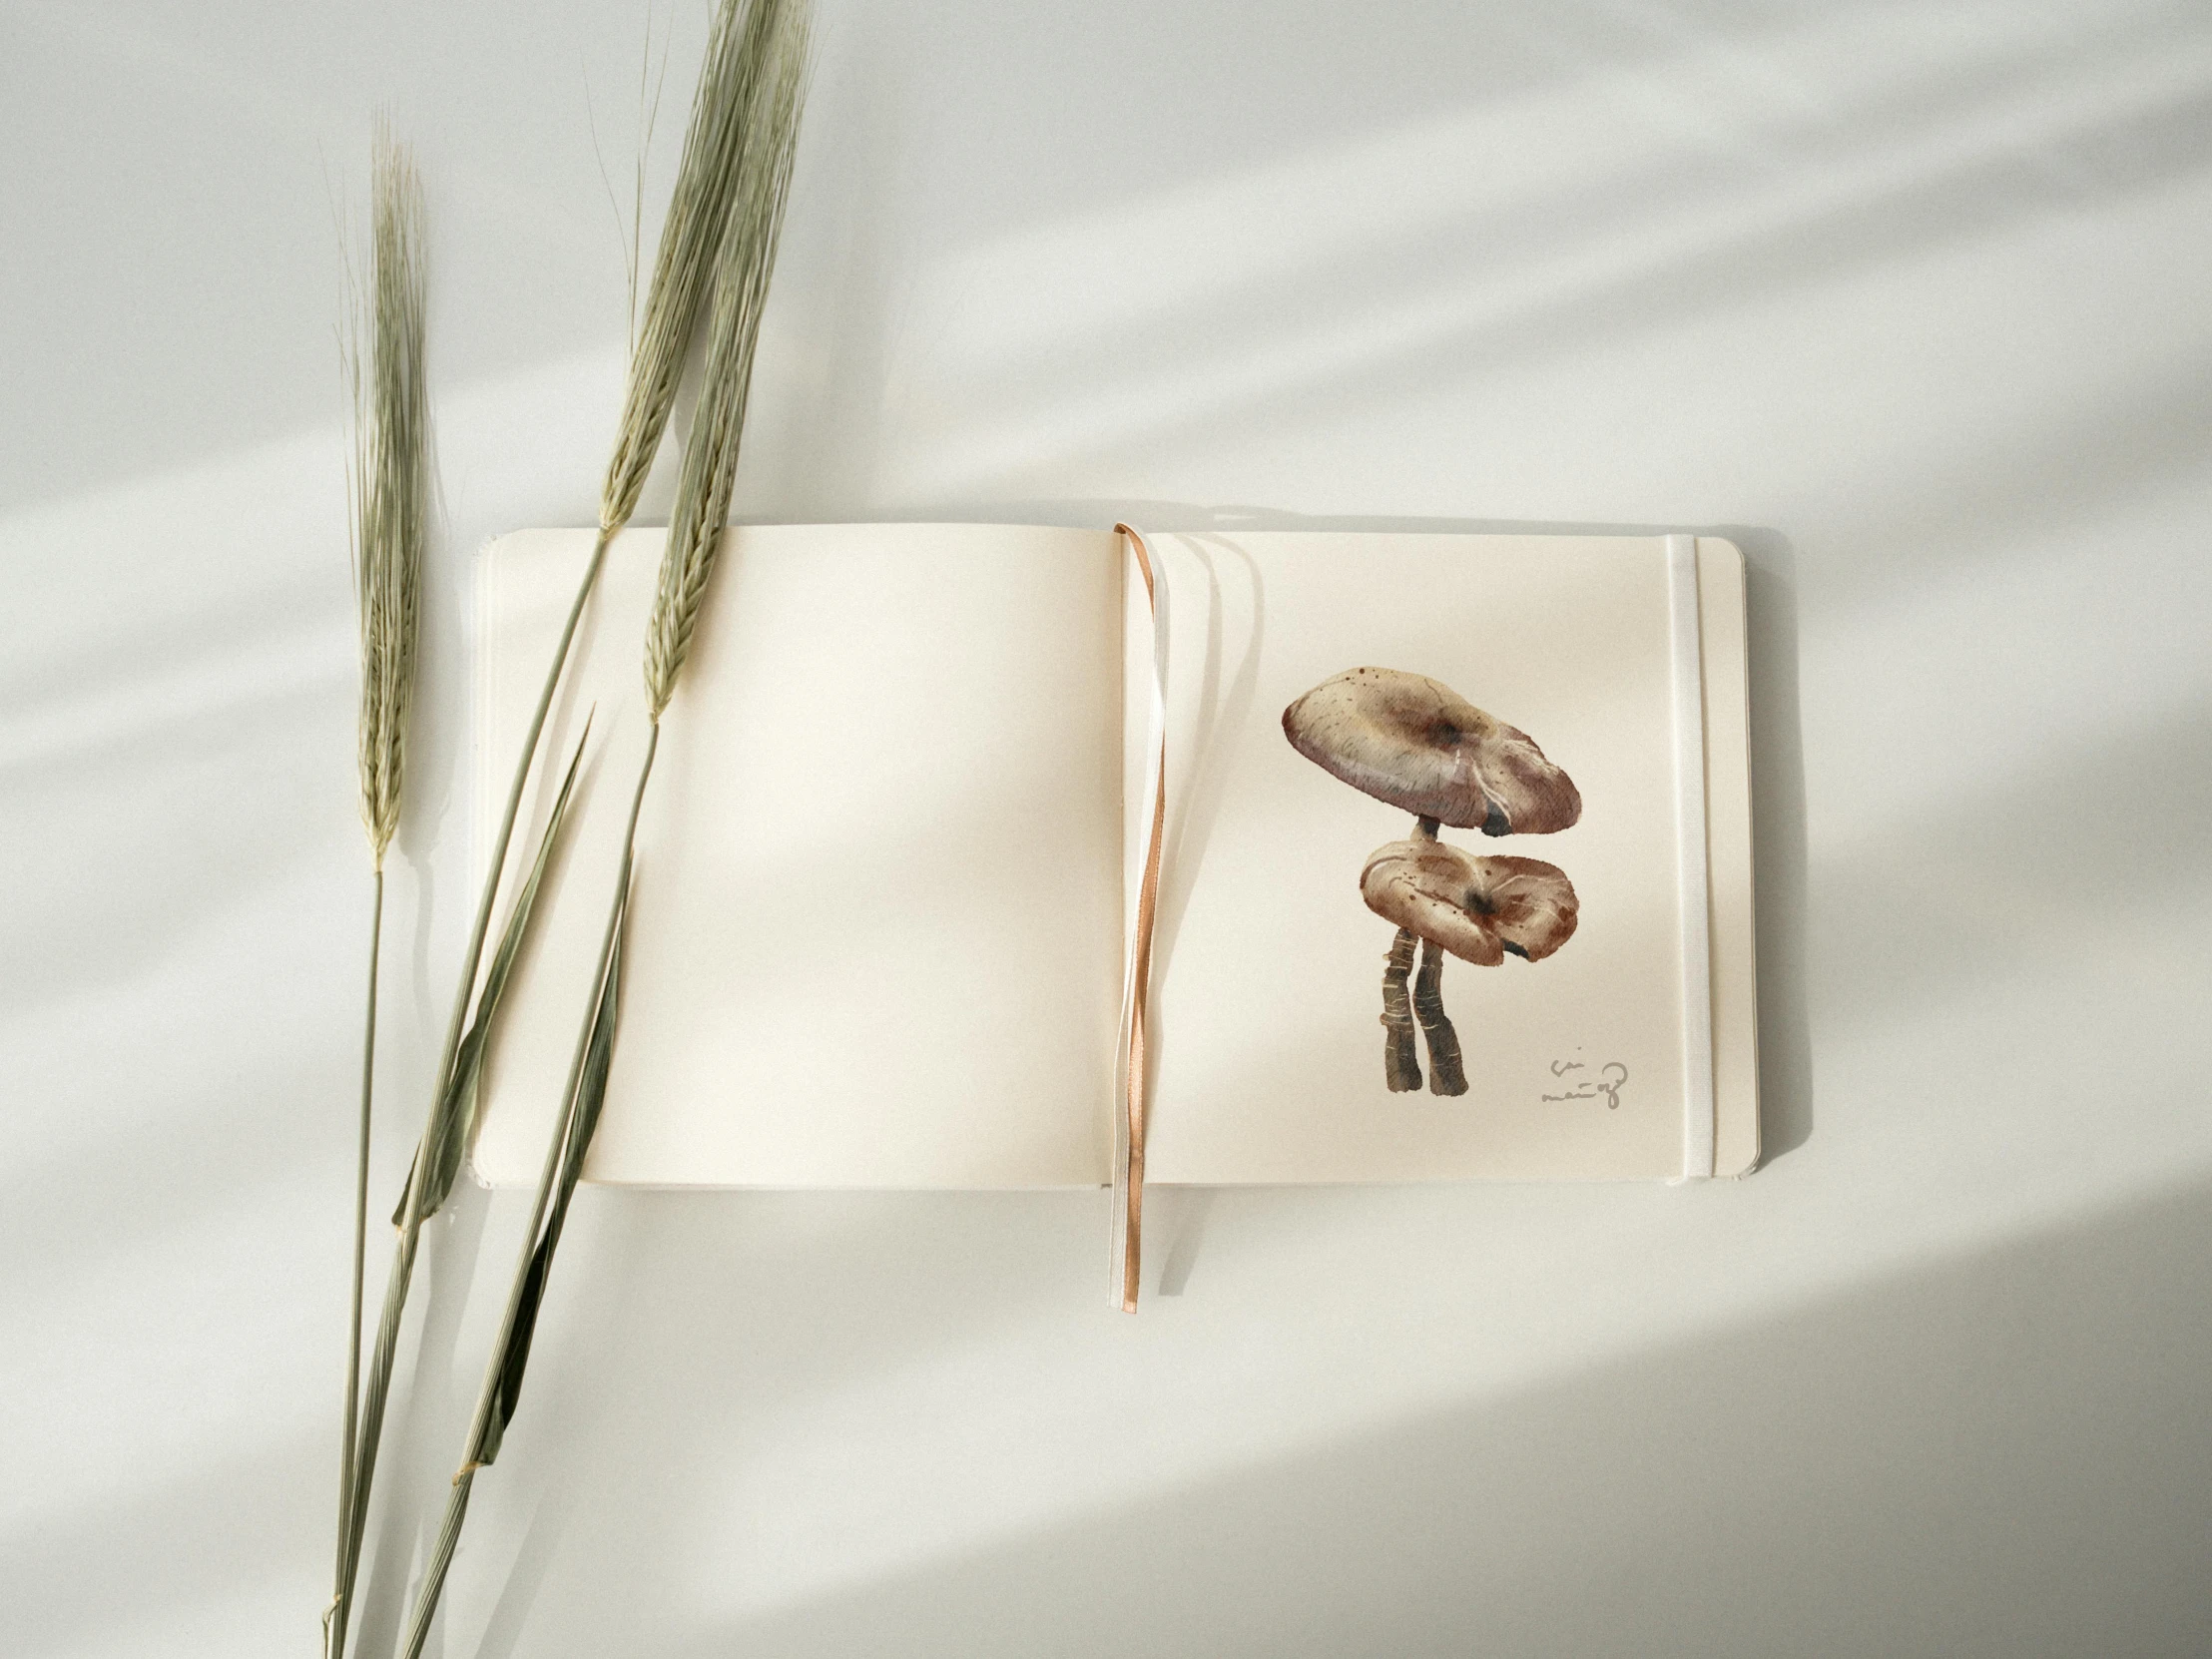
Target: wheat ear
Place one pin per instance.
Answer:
(389, 482)
(741, 275)
(709, 181)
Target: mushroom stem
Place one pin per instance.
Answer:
(1400, 1054)
(1446, 1074)
(1426, 828)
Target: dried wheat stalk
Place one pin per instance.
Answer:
(708, 179)
(745, 262)
(388, 486)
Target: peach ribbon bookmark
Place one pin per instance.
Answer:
(1130, 1061)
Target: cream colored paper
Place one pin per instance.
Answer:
(877, 940)
(1269, 965)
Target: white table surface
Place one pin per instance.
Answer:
(1912, 300)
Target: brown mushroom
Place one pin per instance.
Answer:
(1477, 908)
(1420, 746)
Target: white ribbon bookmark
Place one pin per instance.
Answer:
(1692, 878)
(1131, 1079)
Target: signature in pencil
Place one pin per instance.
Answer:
(1606, 1082)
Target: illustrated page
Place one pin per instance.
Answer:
(877, 938)
(1419, 918)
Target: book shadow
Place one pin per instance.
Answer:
(1484, 1519)
(1187, 1211)
(1679, 1476)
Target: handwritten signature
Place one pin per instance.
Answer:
(1607, 1081)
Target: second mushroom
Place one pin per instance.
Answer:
(1418, 746)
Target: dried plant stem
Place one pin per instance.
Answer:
(410, 1226)
(1446, 1074)
(495, 1398)
(1400, 1054)
(360, 1228)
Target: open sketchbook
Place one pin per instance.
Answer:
(886, 873)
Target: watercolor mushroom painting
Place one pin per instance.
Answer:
(1416, 745)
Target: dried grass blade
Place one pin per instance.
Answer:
(591, 1099)
(456, 1121)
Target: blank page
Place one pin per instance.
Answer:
(877, 935)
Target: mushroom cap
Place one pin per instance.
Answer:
(1476, 907)
(1418, 744)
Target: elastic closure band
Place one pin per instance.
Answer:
(1692, 880)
